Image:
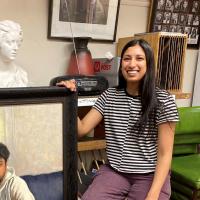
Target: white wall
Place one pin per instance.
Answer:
(196, 93)
(44, 59)
(188, 76)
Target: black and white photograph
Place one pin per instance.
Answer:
(157, 28)
(165, 28)
(169, 5)
(190, 19)
(96, 19)
(182, 19)
(173, 28)
(78, 11)
(176, 5)
(166, 17)
(187, 30)
(161, 4)
(182, 16)
(194, 35)
(180, 29)
(159, 17)
(184, 6)
(194, 32)
(174, 18)
(196, 20)
(195, 6)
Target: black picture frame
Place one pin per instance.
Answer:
(181, 16)
(68, 100)
(65, 23)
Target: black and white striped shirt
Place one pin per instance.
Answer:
(128, 150)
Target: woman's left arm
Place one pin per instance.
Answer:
(164, 156)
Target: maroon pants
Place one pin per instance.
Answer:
(111, 185)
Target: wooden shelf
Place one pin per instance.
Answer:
(91, 144)
(181, 95)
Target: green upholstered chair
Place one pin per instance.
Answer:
(185, 178)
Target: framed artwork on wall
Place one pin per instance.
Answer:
(177, 16)
(89, 18)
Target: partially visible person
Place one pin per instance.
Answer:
(11, 74)
(12, 187)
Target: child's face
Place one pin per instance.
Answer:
(134, 64)
(3, 167)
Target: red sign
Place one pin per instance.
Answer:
(98, 66)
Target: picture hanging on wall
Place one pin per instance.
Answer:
(77, 18)
(177, 16)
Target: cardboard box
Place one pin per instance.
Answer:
(108, 69)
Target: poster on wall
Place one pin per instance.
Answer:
(181, 16)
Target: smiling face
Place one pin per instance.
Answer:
(134, 65)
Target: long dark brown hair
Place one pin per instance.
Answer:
(147, 88)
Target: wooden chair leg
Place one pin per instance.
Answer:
(102, 159)
(82, 164)
(79, 177)
(95, 160)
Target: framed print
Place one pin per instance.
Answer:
(38, 124)
(177, 16)
(89, 18)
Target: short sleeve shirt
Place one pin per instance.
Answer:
(128, 150)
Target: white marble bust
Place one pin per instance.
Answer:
(11, 74)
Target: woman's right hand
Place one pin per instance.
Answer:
(70, 84)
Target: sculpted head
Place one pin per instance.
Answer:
(11, 37)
